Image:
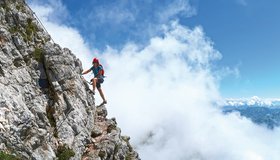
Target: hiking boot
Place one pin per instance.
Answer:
(101, 104)
(92, 92)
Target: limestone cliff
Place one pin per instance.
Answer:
(47, 110)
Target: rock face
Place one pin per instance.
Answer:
(47, 110)
(108, 142)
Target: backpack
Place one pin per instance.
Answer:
(101, 72)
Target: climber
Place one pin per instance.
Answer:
(98, 71)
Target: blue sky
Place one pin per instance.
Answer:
(246, 32)
(248, 37)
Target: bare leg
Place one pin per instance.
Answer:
(94, 80)
(102, 95)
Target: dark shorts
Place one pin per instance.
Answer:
(98, 83)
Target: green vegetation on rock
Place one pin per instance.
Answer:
(129, 156)
(6, 156)
(64, 153)
(30, 29)
(27, 33)
(20, 7)
(5, 7)
(38, 54)
(14, 29)
(50, 111)
(102, 154)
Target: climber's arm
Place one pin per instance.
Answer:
(87, 71)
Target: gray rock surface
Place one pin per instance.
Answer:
(44, 102)
(108, 142)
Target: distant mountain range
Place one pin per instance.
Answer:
(261, 111)
(253, 101)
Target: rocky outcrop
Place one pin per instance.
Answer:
(108, 142)
(47, 110)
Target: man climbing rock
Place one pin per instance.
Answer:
(98, 71)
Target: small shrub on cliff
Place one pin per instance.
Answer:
(30, 29)
(64, 153)
(37, 54)
(14, 29)
(5, 156)
(5, 7)
(20, 7)
(50, 111)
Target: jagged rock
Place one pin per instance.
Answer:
(44, 102)
(107, 140)
(97, 131)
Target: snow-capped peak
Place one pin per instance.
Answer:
(253, 101)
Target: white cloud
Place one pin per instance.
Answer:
(58, 13)
(164, 94)
(177, 7)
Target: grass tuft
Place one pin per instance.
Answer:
(6, 156)
(64, 153)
